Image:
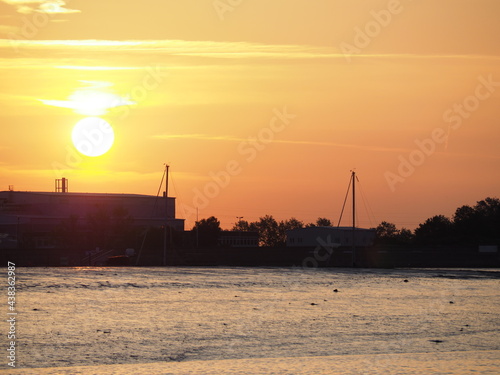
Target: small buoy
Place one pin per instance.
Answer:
(313, 304)
(436, 341)
(452, 302)
(405, 280)
(335, 290)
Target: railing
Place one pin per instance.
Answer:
(97, 258)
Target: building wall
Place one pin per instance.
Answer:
(41, 211)
(329, 237)
(66, 204)
(238, 239)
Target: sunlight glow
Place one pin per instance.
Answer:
(93, 100)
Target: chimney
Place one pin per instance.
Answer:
(61, 185)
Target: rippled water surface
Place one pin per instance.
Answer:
(207, 316)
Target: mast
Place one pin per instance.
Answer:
(166, 217)
(197, 226)
(353, 219)
(352, 181)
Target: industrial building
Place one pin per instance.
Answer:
(232, 238)
(329, 237)
(38, 214)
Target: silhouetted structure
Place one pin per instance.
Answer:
(231, 238)
(78, 223)
(338, 236)
(79, 229)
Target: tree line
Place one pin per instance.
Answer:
(114, 228)
(470, 225)
(271, 232)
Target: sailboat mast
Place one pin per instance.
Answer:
(353, 218)
(166, 217)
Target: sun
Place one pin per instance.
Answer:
(93, 136)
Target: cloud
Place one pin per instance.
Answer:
(7, 29)
(95, 68)
(223, 138)
(206, 137)
(217, 49)
(199, 136)
(93, 100)
(56, 7)
(41, 6)
(181, 47)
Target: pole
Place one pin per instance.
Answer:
(17, 234)
(197, 226)
(353, 218)
(166, 217)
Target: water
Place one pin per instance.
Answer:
(256, 320)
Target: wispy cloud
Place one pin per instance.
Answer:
(224, 138)
(81, 67)
(199, 136)
(41, 6)
(7, 29)
(54, 62)
(92, 100)
(401, 150)
(213, 49)
(179, 47)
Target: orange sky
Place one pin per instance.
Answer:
(277, 100)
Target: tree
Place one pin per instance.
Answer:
(436, 230)
(291, 223)
(478, 223)
(283, 226)
(269, 233)
(405, 236)
(488, 212)
(320, 222)
(386, 232)
(323, 222)
(208, 231)
(242, 226)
